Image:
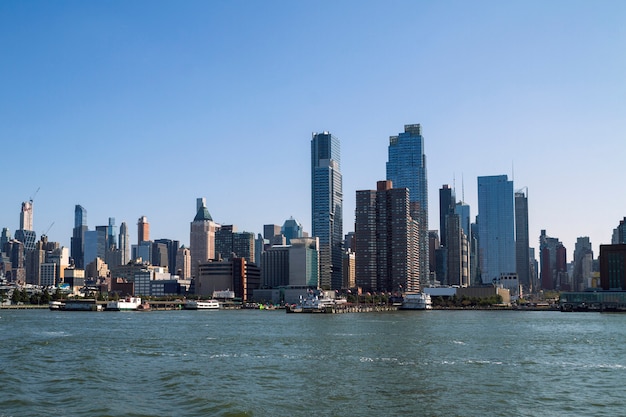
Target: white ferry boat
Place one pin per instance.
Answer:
(126, 304)
(416, 301)
(202, 305)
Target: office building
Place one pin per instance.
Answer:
(613, 267)
(522, 240)
(183, 263)
(143, 230)
(77, 245)
(236, 274)
(275, 272)
(583, 264)
(553, 264)
(447, 202)
(496, 228)
(202, 239)
(387, 246)
(406, 168)
(232, 244)
(619, 233)
(327, 207)
(292, 229)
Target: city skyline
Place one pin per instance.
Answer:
(129, 110)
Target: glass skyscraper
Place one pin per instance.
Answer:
(78, 234)
(327, 207)
(406, 168)
(496, 227)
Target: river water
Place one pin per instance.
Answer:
(268, 363)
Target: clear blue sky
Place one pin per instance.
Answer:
(134, 108)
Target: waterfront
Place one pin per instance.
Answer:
(268, 363)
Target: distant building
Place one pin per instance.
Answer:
(202, 239)
(387, 245)
(270, 230)
(619, 233)
(183, 263)
(583, 264)
(327, 207)
(143, 230)
(78, 235)
(496, 227)
(613, 267)
(292, 229)
(124, 244)
(447, 201)
(522, 240)
(406, 168)
(275, 272)
(553, 263)
(236, 274)
(230, 243)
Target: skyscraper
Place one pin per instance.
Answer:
(522, 240)
(143, 230)
(327, 207)
(553, 264)
(124, 244)
(292, 229)
(386, 237)
(78, 235)
(202, 239)
(26, 215)
(496, 227)
(446, 207)
(406, 168)
(583, 264)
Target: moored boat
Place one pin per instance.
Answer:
(126, 304)
(202, 305)
(416, 301)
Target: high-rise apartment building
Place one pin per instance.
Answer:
(143, 230)
(496, 227)
(25, 233)
(26, 215)
(232, 244)
(522, 240)
(202, 239)
(406, 168)
(327, 207)
(124, 244)
(387, 249)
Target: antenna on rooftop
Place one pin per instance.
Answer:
(462, 188)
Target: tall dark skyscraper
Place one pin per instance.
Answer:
(406, 168)
(78, 236)
(522, 240)
(327, 207)
(446, 207)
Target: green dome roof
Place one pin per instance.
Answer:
(203, 215)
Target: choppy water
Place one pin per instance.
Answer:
(268, 363)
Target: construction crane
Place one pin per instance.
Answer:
(33, 197)
(46, 232)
